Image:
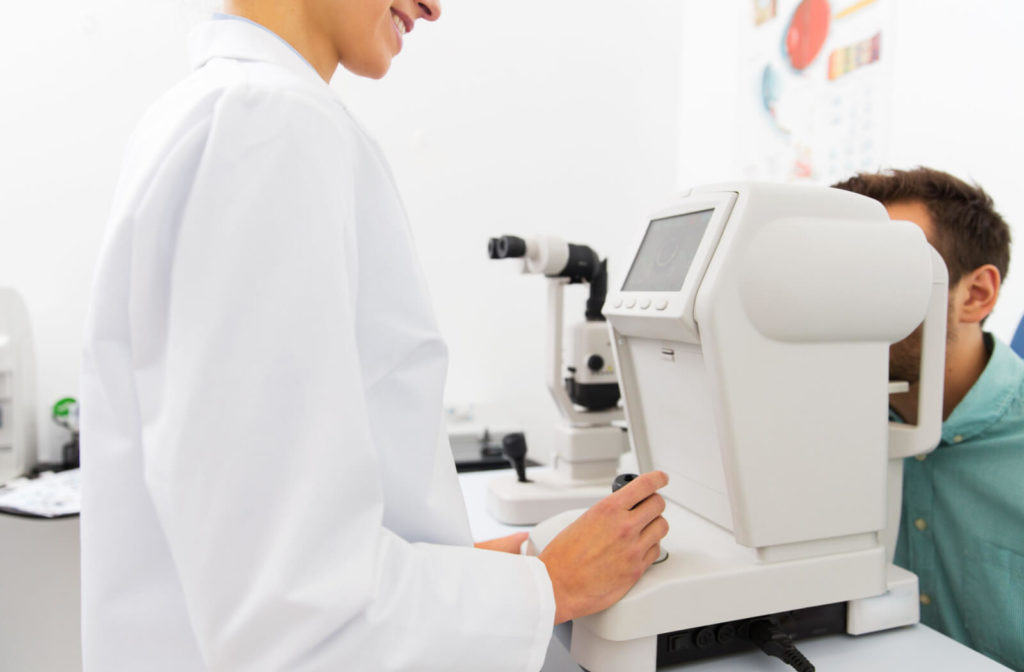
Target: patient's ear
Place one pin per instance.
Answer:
(977, 293)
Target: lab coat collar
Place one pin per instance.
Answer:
(238, 38)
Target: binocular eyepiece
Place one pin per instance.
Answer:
(506, 247)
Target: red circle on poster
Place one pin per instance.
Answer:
(807, 32)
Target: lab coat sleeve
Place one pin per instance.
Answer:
(257, 451)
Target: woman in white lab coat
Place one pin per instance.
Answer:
(267, 484)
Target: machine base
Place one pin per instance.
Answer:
(897, 607)
(514, 503)
(733, 636)
(710, 579)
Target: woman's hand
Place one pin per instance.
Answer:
(594, 561)
(510, 544)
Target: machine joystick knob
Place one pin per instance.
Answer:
(621, 480)
(595, 363)
(514, 447)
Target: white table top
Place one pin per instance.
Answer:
(39, 587)
(914, 648)
(39, 611)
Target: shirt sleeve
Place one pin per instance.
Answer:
(258, 454)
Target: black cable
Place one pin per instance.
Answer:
(770, 638)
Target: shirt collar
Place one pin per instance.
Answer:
(1000, 385)
(228, 36)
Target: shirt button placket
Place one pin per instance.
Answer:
(923, 541)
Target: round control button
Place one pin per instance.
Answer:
(630, 303)
(595, 363)
(621, 480)
(705, 638)
(645, 304)
(662, 304)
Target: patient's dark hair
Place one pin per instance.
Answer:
(969, 232)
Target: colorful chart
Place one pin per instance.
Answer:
(845, 60)
(807, 32)
(818, 93)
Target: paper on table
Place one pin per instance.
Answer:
(52, 495)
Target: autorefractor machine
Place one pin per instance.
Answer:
(751, 334)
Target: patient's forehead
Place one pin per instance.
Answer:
(916, 212)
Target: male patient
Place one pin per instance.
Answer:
(962, 528)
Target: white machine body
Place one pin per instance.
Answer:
(590, 354)
(752, 336)
(17, 388)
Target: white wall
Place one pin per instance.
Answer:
(543, 118)
(526, 119)
(76, 76)
(709, 91)
(539, 117)
(957, 106)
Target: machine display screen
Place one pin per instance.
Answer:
(666, 252)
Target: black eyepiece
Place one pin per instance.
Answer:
(506, 247)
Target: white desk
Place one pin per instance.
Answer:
(39, 612)
(914, 648)
(39, 595)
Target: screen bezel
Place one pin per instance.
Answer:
(673, 311)
(692, 254)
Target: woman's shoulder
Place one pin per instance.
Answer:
(260, 92)
(235, 106)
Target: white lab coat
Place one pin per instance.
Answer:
(267, 482)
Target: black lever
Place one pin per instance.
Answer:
(514, 447)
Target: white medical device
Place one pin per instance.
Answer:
(17, 388)
(587, 445)
(752, 336)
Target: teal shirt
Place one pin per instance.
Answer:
(962, 528)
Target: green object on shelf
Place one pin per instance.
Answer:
(64, 407)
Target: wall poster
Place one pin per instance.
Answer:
(814, 89)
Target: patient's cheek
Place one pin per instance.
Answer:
(905, 358)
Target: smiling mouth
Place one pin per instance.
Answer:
(399, 22)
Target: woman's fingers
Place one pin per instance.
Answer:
(652, 554)
(654, 532)
(648, 510)
(639, 489)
